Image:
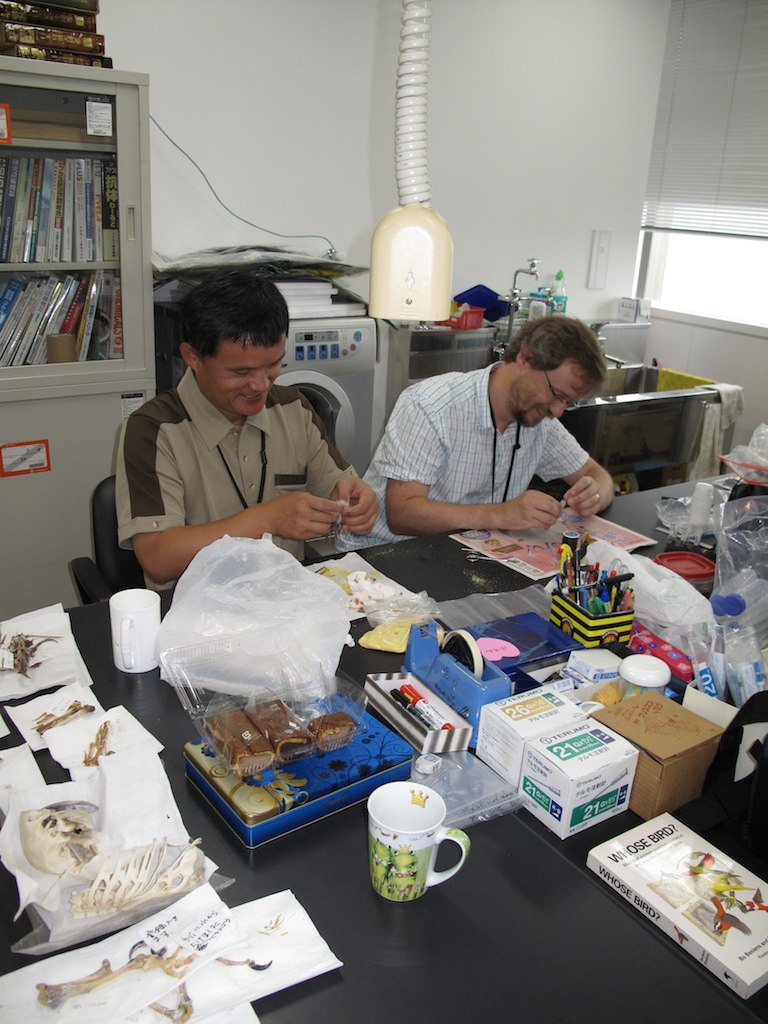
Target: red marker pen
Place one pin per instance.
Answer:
(428, 714)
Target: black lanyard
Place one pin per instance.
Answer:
(515, 447)
(243, 502)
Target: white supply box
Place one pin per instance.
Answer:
(507, 724)
(573, 778)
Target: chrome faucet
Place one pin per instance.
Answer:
(514, 297)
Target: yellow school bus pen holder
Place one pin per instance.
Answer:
(590, 629)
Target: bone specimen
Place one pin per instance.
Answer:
(98, 746)
(48, 721)
(60, 837)
(24, 648)
(174, 965)
(135, 876)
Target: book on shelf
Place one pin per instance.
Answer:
(50, 322)
(115, 349)
(88, 193)
(33, 210)
(76, 5)
(9, 206)
(14, 314)
(46, 188)
(80, 231)
(11, 290)
(72, 317)
(3, 182)
(68, 226)
(85, 327)
(53, 242)
(706, 902)
(58, 38)
(28, 52)
(16, 324)
(97, 227)
(110, 215)
(43, 294)
(47, 14)
(20, 211)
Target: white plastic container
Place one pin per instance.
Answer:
(643, 673)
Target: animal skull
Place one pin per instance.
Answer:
(60, 837)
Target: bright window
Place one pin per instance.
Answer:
(708, 275)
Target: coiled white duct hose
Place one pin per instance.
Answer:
(411, 247)
(411, 171)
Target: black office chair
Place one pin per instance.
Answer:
(113, 568)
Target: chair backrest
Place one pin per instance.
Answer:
(119, 567)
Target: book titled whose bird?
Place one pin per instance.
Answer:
(706, 902)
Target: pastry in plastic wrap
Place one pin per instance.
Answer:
(242, 745)
(333, 730)
(284, 731)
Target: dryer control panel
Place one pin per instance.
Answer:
(327, 344)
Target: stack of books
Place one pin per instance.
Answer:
(58, 209)
(87, 305)
(61, 32)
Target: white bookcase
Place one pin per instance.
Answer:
(59, 423)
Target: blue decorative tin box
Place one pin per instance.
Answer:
(278, 800)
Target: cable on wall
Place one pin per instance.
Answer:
(330, 254)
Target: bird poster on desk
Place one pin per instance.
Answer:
(534, 553)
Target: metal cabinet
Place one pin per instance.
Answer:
(59, 422)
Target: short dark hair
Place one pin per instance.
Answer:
(550, 341)
(233, 305)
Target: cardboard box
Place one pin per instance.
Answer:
(576, 777)
(676, 749)
(507, 724)
(279, 800)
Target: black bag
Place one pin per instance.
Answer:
(744, 802)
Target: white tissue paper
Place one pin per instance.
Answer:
(126, 972)
(280, 934)
(18, 770)
(26, 717)
(70, 743)
(133, 831)
(55, 659)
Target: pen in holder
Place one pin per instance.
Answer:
(590, 628)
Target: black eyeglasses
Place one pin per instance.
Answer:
(567, 403)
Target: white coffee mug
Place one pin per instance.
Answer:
(405, 828)
(134, 617)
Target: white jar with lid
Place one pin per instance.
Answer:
(643, 673)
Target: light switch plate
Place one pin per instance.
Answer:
(598, 259)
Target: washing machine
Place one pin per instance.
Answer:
(333, 362)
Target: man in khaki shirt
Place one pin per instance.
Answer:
(229, 451)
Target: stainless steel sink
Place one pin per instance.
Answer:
(630, 379)
(631, 425)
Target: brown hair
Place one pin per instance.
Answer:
(550, 341)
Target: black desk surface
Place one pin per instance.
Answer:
(524, 932)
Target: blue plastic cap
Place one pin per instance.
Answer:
(728, 604)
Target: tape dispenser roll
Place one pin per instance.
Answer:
(462, 646)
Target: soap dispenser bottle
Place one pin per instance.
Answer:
(559, 295)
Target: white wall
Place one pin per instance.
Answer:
(540, 122)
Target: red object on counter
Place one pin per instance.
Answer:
(643, 641)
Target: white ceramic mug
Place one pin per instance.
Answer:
(134, 617)
(405, 829)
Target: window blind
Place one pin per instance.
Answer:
(709, 163)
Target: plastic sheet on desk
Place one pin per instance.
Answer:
(471, 790)
(468, 611)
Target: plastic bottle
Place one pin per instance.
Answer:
(559, 294)
(746, 593)
(744, 667)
